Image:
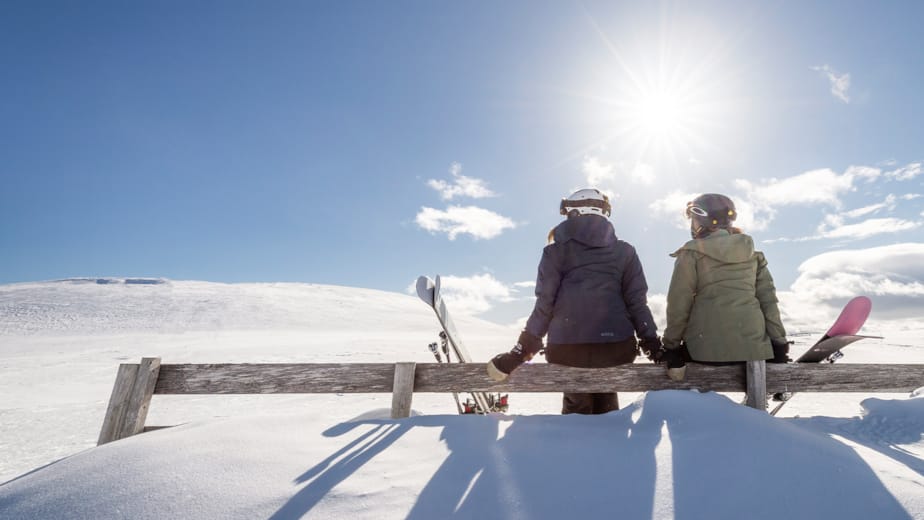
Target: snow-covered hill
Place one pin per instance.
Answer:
(100, 306)
(62, 341)
(669, 455)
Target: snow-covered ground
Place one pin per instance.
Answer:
(666, 454)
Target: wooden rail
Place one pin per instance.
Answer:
(136, 383)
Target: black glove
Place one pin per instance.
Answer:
(673, 358)
(676, 366)
(780, 351)
(651, 348)
(503, 364)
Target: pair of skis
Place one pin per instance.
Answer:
(842, 333)
(451, 345)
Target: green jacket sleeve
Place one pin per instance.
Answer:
(680, 297)
(766, 294)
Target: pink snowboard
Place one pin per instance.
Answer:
(841, 334)
(852, 317)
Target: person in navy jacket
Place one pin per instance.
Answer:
(591, 301)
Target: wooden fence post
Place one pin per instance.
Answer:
(756, 375)
(130, 399)
(403, 390)
(125, 379)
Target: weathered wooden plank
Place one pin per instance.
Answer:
(276, 378)
(535, 377)
(431, 377)
(140, 398)
(843, 377)
(403, 390)
(756, 374)
(539, 377)
(118, 402)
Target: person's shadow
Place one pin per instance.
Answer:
(541, 467)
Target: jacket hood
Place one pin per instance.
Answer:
(590, 230)
(723, 246)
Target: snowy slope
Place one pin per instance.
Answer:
(670, 454)
(62, 341)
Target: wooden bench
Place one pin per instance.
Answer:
(136, 383)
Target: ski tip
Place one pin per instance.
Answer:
(425, 289)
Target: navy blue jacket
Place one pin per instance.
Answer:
(590, 287)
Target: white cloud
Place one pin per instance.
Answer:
(525, 285)
(888, 203)
(473, 295)
(891, 276)
(456, 220)
(460, 185)
(869, 173)
(835, 226)
(643, 173)
(907, 172)
(894, 271)
(672, 207)
(758, 202)
(657, 302)
(866, 229)
(840, 83)
(596, 172)
(606, 175)
(812, 188)
(911, 196)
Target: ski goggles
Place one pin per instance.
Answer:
(693, 209)
(603, 205)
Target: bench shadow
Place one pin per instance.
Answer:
(343, 463)
(886, 425)
(772, 468)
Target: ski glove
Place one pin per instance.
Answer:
(780, 351)
(651, 348)
(676, 366)
(503, 364)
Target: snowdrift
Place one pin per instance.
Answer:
(671, 454)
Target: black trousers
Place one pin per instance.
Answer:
(591, 355)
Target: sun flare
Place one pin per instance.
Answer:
(668, 101)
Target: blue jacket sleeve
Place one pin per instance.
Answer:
(547, 282)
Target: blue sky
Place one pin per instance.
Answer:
(365, 143)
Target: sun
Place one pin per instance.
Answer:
(659, 113)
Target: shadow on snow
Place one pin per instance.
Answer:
(718, 460)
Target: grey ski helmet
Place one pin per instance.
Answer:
(709, 212)
(587, 201)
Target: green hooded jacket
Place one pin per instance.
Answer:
(722, 301)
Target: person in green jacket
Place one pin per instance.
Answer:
(721, 304)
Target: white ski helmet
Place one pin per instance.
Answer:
(588, 201)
